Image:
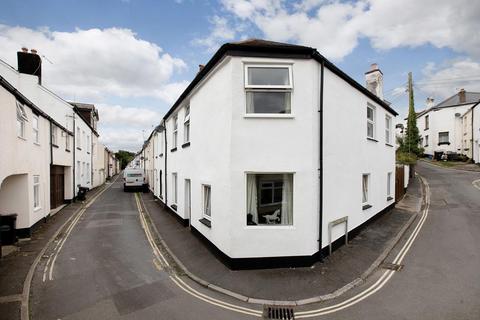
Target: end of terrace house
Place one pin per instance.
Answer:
(272, 153)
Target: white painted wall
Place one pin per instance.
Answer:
(348, 154)
(443, 120)
(99, 170)
(476, 134)
(20, 160)
(225, 145)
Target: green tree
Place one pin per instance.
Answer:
(124, 157)
(411, 140)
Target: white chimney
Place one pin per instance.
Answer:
(374, 79)
(429, 103)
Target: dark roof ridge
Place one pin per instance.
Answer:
(259, 47)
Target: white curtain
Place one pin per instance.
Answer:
(287, 200)
(252, 197)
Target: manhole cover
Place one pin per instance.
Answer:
(278, 312)
(391, 266)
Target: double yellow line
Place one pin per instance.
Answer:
(160, 259)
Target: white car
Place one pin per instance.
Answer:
(134, 179)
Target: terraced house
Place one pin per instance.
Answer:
(47, 145)
(272, 153)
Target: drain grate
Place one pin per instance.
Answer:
(278, 312)
(392, 266)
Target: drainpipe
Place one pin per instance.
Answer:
(74, 152)
(165, 154)
(320, 168)
(50, 168)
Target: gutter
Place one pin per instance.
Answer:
(320, 163)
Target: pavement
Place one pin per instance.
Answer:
(15, 267)
(346, 265)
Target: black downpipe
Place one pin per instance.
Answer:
(320, 169)
(165, 153)
(74, 151)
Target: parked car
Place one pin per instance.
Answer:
(134, 179)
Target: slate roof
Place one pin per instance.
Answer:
(470, 97)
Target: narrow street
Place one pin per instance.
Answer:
(106, 268)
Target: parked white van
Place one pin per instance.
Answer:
(134, 178)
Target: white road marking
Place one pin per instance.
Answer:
(476, 184)
(61, 242)
(182, 285)
(385, 276)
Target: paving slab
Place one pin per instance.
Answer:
(345, 265)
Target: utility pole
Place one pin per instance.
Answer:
(411, 107)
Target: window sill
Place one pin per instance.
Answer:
(426, 146)
(389, 198)
(442, 143)
(160, 155)
(372, 139)
(174, 207)
(268, 116)
(54, 145)
(36, 209)
(174, 149)
(388, 144)
(366, 206)
(78, 148)
(426, 129)
(206, 222)
(186, 144)
(269, 227)
(37, 144)
(67, 150)
(25, 139)
(88, 152)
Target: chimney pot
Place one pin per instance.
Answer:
(374, 80)
(24, 49)
(200, 67)
(34, 51)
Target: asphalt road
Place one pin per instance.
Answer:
(106, 269)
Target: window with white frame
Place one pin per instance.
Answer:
(79, 138)
(270, 199)
(36, 131)
(388, 129)
(175, 131)
(54, 135)
(443, 137)
(67, 141)
(88, 144)
(88, 173)
(186, 125)
(389, 184)
(207, 201)
(268, 89)
(84, 140)
(174, 188)
(426, 141)
(370, 121)
(21, 120)
(427, 122)
(365, 187)
(36, 192)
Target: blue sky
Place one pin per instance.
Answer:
(132, 58)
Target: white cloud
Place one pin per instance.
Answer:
(127, 116)
(445, 80)
(95, 63)
(126, 139)
(221, 31)
(335, 27)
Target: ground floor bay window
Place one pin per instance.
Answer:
(270, 199)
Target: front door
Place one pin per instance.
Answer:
(57, 187)
(188, 198)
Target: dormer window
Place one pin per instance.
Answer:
(268, 89)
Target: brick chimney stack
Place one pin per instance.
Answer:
(30, 63)
(461, 96)
(374, 80)
(430, 103)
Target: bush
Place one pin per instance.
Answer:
(406, 158)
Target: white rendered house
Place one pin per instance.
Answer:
(446, 127)
(269, 146)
